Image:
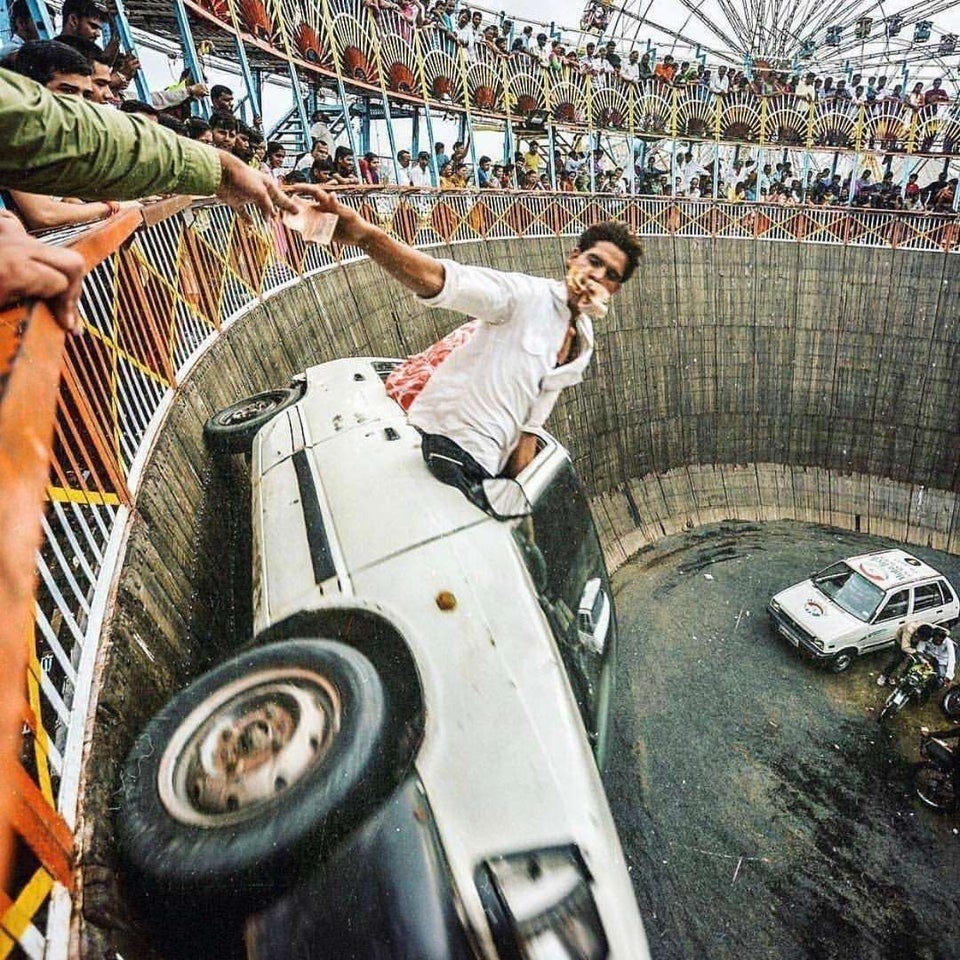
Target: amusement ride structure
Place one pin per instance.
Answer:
(166, 284)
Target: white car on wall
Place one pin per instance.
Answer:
(405, 761)
(855, 606)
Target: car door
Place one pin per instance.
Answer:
(890, 617)
(560, 547)
(928, 603)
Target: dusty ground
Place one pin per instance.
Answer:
(763, 811)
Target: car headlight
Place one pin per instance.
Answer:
(540, 907)
(774, 606)
(817, 642)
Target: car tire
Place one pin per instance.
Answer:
(232, 429)
(951, 702)
(935, 787)
(306, 721)
(842, 661)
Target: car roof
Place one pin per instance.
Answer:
(381, 498)
(891, 568)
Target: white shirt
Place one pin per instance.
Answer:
(691, 170)
(468, 36)
(943, 653)
(504, 379)
(418, 176)
(630, 71)
(403, 173)
(720, 85)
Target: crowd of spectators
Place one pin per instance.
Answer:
(75, 64)
(582, 170)
(446, 27)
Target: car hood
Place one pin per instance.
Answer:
(815, 612)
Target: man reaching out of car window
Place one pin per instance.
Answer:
(535, 337)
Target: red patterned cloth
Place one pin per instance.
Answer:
(406, 382)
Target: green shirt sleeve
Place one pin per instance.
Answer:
(63, 145)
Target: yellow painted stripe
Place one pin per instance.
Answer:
(21, 912)
(118, 352)
(89, 497)
(40, 739)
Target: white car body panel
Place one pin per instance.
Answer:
(891, 571)
(505, 760)
(818, 614)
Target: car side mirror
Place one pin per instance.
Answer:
(506, 498)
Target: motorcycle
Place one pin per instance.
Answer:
(915, 683)
(935, 780)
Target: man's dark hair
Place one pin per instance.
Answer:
(172, 123)
(139, 106)
(341, 153)
(218, 90)
(617, 234)
(222, 121)
(81, 9)
(196, 127)
(275, 146)
(92, 52)
(42, 60)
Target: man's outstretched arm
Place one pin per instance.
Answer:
(417, 271)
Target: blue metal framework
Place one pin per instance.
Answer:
(41, 17)
(190, 59)
(249, 80)
(122, 26)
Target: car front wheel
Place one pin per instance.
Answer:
(257, 767)
(232, 429)
(841, 662)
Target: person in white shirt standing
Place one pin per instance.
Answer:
(534, 337)
(419, 173)
(720, 82)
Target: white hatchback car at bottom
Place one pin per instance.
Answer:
(855, 606)
(404, 763)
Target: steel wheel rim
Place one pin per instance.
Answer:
(247, 746)
(248, 410)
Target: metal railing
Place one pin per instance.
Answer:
(160, 294)
(378, 53)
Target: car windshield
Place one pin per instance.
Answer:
(849, 590)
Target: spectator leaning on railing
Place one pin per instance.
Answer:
(56, 143)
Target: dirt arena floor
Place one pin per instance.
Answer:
(764, 812)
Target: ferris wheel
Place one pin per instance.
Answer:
(898, 37)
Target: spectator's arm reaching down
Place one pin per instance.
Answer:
(63, 145)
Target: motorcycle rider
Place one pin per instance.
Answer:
(908, 638)
(940, 649)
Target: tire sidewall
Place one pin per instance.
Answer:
(187, 861)
(841, 662)
(238, 437)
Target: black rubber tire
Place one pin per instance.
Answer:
(935, 787)
(890, 709)
(182, 863)
(232, 429)
(841, 662)
(951, 702)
